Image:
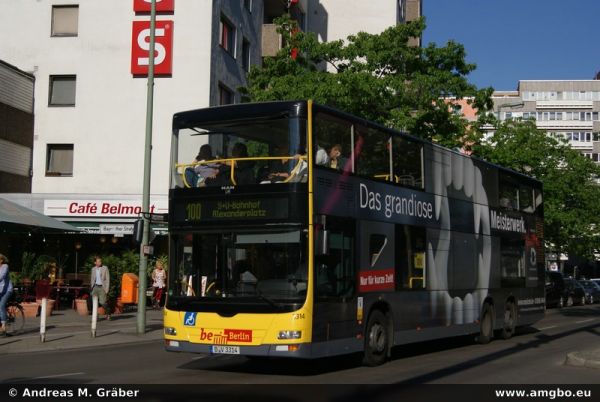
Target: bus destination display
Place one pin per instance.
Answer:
(197, 211)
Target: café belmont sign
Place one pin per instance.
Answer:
(102, 208)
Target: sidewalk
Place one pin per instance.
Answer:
(65, 329)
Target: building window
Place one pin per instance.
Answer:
(227, 36)
(246, 55)
(65, 20)
(225, 95)
(248, 5)
(59, 160)
(62, 90)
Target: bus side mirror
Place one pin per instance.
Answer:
(322, 246)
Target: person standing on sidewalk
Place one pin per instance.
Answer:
(100, 281)
(159, 278)
(6, 289)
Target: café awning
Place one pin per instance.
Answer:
(15, 214)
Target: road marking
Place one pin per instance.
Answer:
(57, 375)
(581, 322)
(544, 328)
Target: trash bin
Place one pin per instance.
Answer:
(129, 288)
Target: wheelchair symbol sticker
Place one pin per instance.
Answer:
(189, 319)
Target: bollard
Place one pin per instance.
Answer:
(94, 315)
(43, 320)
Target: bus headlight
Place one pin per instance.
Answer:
(289, 335)
(170, 331)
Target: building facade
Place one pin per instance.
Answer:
(569, 109)
(90, 59)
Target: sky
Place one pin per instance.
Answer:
(512, 40)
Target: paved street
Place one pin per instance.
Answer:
(536, 356)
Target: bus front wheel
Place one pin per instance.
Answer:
(376, 339)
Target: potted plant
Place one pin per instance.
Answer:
(81, 304)
(30, 307)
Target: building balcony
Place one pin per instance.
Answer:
(562, 125)
(564, 104)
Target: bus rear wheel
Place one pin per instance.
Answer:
(510, 320)
(486, 331)
(376, 339)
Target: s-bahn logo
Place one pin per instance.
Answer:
(226, 336)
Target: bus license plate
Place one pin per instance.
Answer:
(226, 350)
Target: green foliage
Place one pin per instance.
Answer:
(35, 267)
(15, 277)
(27, 264)
(571, 191)
(375, 76)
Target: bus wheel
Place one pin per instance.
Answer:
(487, 325)
(376, 340)
(510, 320)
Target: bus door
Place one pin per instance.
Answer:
(335, 282)
(377, 257)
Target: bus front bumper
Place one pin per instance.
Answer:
(300, 351)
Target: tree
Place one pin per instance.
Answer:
(571, 191)
(376, 76)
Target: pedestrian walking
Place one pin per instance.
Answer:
(159, 280)
(100, 282)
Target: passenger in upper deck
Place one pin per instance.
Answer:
(243, 170)
(196, 176)
(279, 170)
(336, 161)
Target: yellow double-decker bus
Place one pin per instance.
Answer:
(300, 231)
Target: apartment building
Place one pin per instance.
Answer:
(89, 60)
(567, 108)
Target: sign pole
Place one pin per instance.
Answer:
(141, 313)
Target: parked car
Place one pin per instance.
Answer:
(555, 288)
(592, 291)
(561, 291)
(574, 292)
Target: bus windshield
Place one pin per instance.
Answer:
(267, 265)
(262, 150)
